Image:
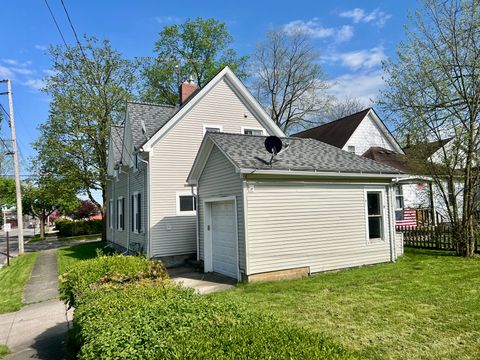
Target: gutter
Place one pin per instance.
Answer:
(323, 173)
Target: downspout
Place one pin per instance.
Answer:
(146, 214)
(197, 221)
(393, 256)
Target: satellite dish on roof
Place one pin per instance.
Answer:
(273, 145)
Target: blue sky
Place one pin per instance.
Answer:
(351, 36)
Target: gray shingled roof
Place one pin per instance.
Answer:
(248, 152)
(117, 142)
(154, 117)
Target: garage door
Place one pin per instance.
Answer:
(224, 247)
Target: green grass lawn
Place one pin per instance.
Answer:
(70, 255)
(425, 306)
(12, 281)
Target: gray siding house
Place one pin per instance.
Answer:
(152, 210)
(314, 208)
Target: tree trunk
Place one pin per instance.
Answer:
(42, 225)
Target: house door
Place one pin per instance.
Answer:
(224, 238)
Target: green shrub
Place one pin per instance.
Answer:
(153, 322)
(116, 269)
(81, 227)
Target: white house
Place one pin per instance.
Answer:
(151, 208)
(314, 208)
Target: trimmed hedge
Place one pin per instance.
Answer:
(141, 321)
(116, 269)
(81, 227)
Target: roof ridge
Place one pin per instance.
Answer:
(150, 103)
(331, 122)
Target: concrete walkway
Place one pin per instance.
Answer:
(201, 282)
(38, 330)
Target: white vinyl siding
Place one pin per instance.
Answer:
(322, 226)
(220, 180)
(118, 188)
(138, 185)
(173, 157)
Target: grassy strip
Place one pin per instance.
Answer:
(4, 350)
(37, 238)
(13, 279)
(69, 256)
(427, 305)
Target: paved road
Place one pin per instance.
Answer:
(27, 233)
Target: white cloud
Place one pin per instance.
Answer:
(49, 72)
(167, 19)
(5, 73)
(359, 59)
(377, 16)
(364, 86)
(314, 29)
(10, 61)
(34, 84)
(41, 47)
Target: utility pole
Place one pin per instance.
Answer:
(16, 168)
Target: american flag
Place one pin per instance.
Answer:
(409, 218)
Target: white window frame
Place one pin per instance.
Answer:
(111, 216)
(205, 126)
(120, 210)
(135, 162)
(399, 195)
(116, 174)
(135, 212)
(253, 128)
(384, 214)
(186, 213)
(350, 148)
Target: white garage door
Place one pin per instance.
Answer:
(224, 247)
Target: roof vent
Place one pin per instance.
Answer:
(144, 129)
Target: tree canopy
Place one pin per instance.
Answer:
(199, 48)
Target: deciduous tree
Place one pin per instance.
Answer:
(199, 48)
(434, 92)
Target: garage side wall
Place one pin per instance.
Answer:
(315, 225)
(220, 179)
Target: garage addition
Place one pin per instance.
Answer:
(309, 208)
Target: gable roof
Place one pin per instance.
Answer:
(337, 132)
(239, 89)
(388, 157)
(148, 116)
(302, 157)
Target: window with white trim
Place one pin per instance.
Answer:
(248, 131)
(136, 217)
(212, 128)
(375, 215)
(135, 162)
(351, 149)
(186, 204)
(110, 214)
(121, 213)
(399, 204)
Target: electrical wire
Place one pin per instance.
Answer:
(56, 23)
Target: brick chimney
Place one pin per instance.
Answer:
(187, 89)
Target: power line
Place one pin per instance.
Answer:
(5, 111)
(56, 23)
(75, 33)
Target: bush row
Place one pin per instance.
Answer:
(81, 227)
(126, 308)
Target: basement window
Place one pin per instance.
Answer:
(375, 215)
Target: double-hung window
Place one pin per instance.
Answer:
(136, 217)
(375, 215)
(186, 204)
(399, 204)
(121, 213)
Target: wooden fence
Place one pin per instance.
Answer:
(429, 237)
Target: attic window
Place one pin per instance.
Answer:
(351, 149)
(248, 131)
(212, 128)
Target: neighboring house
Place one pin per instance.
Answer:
(315, 208)
(364, 133)
(151, 209)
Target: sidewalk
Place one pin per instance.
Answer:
(39, 329)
